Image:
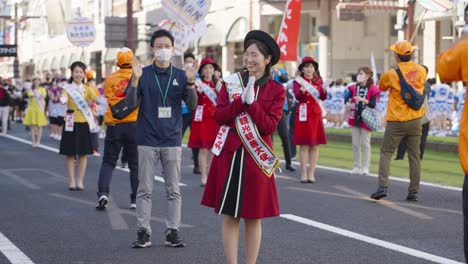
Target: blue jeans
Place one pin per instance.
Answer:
(117, 137)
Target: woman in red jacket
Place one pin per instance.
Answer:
(308, 126)
(241, 182)
(203, 128)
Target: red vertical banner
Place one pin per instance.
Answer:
(289, 31)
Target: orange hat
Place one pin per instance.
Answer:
(402, 47)
(124, 57)
(89, 74)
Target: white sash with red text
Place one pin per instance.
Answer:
(247, 131)
(77, 94)
(313, 91)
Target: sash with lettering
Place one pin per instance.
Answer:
(207, 90)
(313, 92)
(77, 95)
(247, 131)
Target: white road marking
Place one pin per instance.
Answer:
(156, 178)
(370, 240)
(12, 253)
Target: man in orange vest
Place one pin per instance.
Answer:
(402, 119)
(120, 132)
(452, 65)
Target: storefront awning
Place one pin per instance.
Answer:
(64, 61)
(238, 30)
(54, 64)
(73, 57)
(111, 55)
(45, 65)
(357, 11)
(213, 37)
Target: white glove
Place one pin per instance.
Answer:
(249, 94)
(63, 99)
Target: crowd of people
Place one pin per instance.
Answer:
(147, 109)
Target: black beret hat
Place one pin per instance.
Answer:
(266, 39)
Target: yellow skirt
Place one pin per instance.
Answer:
(35, 117)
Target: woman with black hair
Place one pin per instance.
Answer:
(308, 127)
(203, 128)
(241, 182)
(35, 116)
(79, 120)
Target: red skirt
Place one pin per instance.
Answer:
(310, 132)
(203, 134)
(236, 186)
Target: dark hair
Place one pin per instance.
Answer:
(316, 69)
(73, 66)
(339, 82)
(189, 55)
(263, 50)
(405, 58)
(369, 72)
(161, 33)
(431, 81)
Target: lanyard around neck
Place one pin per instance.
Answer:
(164, 96)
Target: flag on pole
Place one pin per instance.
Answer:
(374, 68)
(289, 31)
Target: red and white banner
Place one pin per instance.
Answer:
(289, 31)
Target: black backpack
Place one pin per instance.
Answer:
(411, 97)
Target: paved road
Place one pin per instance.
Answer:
(331, 221)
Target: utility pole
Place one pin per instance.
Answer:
(410, 15)
(17, 20)
(130, 24)
(16, 62)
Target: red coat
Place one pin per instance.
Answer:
(259, 195)
(310, 132)
(203, 134)
(373, 91)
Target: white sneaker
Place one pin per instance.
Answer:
(356, 171)
(365, 171)
(132, 205)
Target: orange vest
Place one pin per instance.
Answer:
(114, 91)
(397, 109)
(452, 65)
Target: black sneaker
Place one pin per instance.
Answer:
(132, 203)
(196, 170)
(173, 239)
(143, 239)
(412, 197)
(102, 203)
(289, 167)
(380, 193)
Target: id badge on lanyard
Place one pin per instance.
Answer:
(69, 121)
(198, 114)
(303, 112)
(164, 112)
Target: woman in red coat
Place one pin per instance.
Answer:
(203, 128)
(241, 183)
(308, 125)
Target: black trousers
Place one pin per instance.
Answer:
(292, 117)
(117, 137)
(283, 132)
(465, 217)
(186, 122)
(402, 146)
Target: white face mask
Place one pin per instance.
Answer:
(361, 78)
(188, 65)
(163, 55)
